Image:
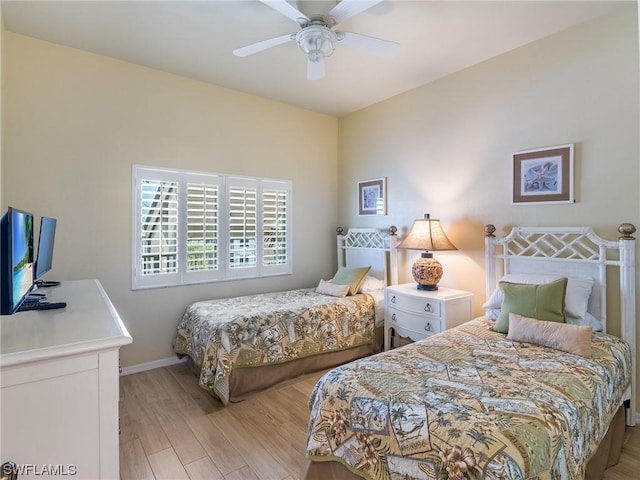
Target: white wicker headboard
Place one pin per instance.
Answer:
(572, 251)
(370, 246)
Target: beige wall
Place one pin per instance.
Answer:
(76, 123)
(446, 147)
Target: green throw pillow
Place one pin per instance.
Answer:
(543, 302)
(352, 277)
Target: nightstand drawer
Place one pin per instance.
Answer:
(420, 306)
(414, 322)
(418, 314)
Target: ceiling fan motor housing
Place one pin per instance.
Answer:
(316, 41)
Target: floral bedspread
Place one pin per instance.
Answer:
(469, 403)
(221, 335)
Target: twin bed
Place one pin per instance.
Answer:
(474, 403)
(467, 403)
(241, 345)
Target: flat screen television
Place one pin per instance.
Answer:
(45, 249)
(16, 259)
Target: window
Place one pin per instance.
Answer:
(193, 227)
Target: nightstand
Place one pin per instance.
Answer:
(418, 314)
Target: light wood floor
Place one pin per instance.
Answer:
(172, 429)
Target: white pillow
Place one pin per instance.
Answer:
(371, 284)
(328, 288)
(588, 320)
(576, 300)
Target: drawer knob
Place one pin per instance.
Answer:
(428, 327)
(393, 299)
(428, 308)
(393, 317)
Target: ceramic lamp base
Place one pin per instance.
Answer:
(427, 272)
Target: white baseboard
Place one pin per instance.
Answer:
(143, 367)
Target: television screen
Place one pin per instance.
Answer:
(45, 246)
(17, 266)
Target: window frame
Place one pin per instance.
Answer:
(224, 184)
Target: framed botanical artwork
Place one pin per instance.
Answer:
(544, 175)
(372, 197)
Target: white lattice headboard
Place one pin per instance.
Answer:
(572, 251)
(370, 246)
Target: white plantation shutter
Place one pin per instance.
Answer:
(159, 227)
(194, 227)
(156, 228)
(243, 227)
(276, 243)
(202, 227)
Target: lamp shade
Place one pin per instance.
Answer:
(427, 234)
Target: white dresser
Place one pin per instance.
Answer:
(59, 372)
(418, 314)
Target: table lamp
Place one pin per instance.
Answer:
(427, 234)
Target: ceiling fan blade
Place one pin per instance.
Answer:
(286, 9)
(377, 46)
(315, 70)
(348, 8)
(263, 45)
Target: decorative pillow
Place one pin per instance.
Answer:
(577, 298)
(371, 284)
(544, 301)
(353, 277)
(574, 339)
(328, 288)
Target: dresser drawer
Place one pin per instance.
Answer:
(421, 306)
(420, 324)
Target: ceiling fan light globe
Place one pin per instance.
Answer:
(316, 41)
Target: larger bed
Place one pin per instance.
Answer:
(475, 403)
(244, 344)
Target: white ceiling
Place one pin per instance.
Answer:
(195, 39)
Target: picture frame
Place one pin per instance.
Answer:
(544, 175)
(372, 196)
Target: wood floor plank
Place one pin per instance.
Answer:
(222, 453)
(250, 407)
(126, 423)
(281, 443)
(134, 464)
(244, 473)
(203, 469)
(189, 382)
(145, 426)
(166, 466)
(306, 384)
(248, 446)
(182, 438)
(167, 421)
(296, 409)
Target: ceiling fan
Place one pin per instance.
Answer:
(317, 39)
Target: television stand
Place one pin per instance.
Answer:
(59, 378)
(47, 283)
